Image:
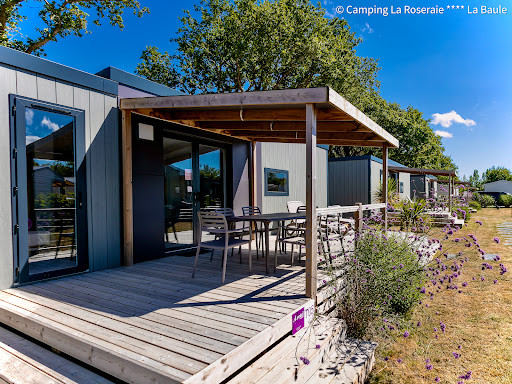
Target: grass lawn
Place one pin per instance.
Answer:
(478, 322)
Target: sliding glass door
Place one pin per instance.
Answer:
(193, 180)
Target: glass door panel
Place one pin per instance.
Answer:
(178, 193)
(51, 182)
(211, 178)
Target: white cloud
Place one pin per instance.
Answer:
(447, 119)
(367, 28)
(29, 116)
(443, 134)
(31, 139)
(49, 124)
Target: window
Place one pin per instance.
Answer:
(276, 182)
(401, 187)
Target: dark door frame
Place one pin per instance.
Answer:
(196, 141)
(18, 104)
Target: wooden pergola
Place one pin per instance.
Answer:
(311, 116)
(432, 172)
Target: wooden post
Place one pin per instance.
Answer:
(385, 183)
(450, 194)
(311, 222)
(358, 218)
(126, 137)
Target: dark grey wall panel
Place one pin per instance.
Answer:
(348, 182)
(148, 195)
(113, 183)
(148, 217)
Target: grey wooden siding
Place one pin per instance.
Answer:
(102, 156)
(292, 158)
(349, 182)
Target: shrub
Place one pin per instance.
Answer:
(486, 200)
(475, 205)
(382, 278)
(412, 215)
(505, 200)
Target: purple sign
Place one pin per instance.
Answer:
(303, 317)
(298, 321)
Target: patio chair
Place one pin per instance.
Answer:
(228, 212)
(215, 222)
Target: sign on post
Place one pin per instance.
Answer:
(302, 318)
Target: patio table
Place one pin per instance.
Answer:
(266, 219)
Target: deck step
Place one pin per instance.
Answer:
(351, 363)
(282, 364)
(22, 361)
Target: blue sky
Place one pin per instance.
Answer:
(437, 63)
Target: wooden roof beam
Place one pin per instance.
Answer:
(240, 114)
(275, 126)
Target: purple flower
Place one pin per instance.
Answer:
(479, 222)
(406, 334)
(399, 361)
(497, 240)
(456, 355)
(437, 379)
(317, 346)
(429, 367)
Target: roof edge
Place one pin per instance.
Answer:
(134, 81)
(44, 67)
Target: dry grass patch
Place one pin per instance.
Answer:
(478, 322)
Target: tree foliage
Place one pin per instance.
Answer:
(59, 18)
(496, 174)
(248, 45)
(251, 45)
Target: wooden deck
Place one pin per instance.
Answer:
(152, 323)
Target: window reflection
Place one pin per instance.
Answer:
(50, 156)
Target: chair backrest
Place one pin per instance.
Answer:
(251, 211)
(294, 205)
(225, 211)
(301, 209)
(210, 220)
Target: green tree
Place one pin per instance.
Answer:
(419, 147)
(59, 18)
(251, 45)
(64, 168)
(475, 180)
(210, 173)
(496, 174)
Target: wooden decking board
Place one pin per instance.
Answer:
(22, 361)
(180, 289)
(207, 343)
(152, 323)
(156, 322)
(231, 316)
(131, 331)
(106, 356)
(235, 310)
(119, 338)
